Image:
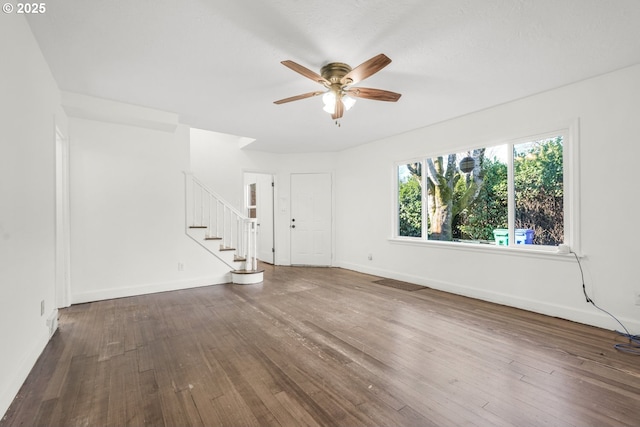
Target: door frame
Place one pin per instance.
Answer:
(62, 221)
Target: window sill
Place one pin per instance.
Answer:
(528, 251)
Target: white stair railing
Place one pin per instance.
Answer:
(223, 223)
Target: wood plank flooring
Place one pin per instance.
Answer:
(324, 347)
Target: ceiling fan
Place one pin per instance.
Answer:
(337, 78)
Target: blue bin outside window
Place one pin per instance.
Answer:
(523, 236)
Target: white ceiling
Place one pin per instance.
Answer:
(216, 63)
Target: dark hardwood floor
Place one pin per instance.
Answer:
(321, 346)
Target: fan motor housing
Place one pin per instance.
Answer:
(335, 71)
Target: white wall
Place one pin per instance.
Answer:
(220, 163)
(128, 213)
(29, 113)
(607, 109)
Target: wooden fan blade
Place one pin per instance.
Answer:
(305, 72)
(339, 110)
(297, 97)
(366, 69)
(375, 94)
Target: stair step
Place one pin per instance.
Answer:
(213, 238)
(198, 226)
(226, 248)
(247, 277)
(247, 271)
(239, 258)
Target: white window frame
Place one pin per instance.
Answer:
(396, 206)
(571, 190)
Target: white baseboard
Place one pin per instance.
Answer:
(588, 316)
(52, 322)
(129, 291)
(11, 386)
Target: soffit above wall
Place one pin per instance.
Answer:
(91, 108)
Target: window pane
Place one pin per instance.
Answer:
(410, 200)
(482, 199)
(467, 195)
(442, 171)
(539, 192)
(252, 194)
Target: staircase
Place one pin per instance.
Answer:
(223, 231)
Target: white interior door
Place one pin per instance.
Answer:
(264, 208)
(311, 219)
(259, 205)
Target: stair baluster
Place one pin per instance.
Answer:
(233, 231)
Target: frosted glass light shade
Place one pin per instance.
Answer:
(348, 102)
(329, 99)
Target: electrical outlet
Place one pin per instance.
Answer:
(370, 257)
(41, 307)
(637, 298)
(180, 266)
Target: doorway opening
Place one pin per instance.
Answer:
(259, 204)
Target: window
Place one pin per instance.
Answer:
(467, 195)
(251, 202)
(410, 200)
(539, 189)
(509, 194)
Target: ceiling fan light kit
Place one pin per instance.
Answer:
(337, 77)
(329, 99)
